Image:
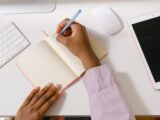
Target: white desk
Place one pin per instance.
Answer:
(123, 57)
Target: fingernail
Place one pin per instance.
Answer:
(49, 84)
(36, 88)
(61, 92)
(57, 34)
(57, 85)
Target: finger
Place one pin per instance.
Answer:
(62, 39)
(61, 25)
(29, 98)
(75, 28)
(85, 33)
(40, 93)
(68, 32)
(49, 103)
(51, 92)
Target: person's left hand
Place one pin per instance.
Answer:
(38, 103)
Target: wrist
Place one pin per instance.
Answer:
(90, 60)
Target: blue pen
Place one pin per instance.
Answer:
(71, 21)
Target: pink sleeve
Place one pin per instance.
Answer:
(106, 99)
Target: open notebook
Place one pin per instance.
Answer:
(50, 61)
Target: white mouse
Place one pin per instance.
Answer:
(107, 19)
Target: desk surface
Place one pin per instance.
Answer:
(123, 57)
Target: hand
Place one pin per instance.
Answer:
(76, 40)
(38, 103)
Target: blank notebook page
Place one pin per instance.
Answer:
(42, 65)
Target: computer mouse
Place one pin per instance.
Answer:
(107, 19)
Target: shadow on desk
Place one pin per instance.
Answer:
(129, 90)
(131, 93)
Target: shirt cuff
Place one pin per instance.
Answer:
(95, 79)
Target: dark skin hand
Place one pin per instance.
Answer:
(40, 100)
(77, 41)
(38, 103)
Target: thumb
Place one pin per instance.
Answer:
(62, 39)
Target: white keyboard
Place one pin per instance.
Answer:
(12, 42)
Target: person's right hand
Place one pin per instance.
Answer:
(76, 40)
